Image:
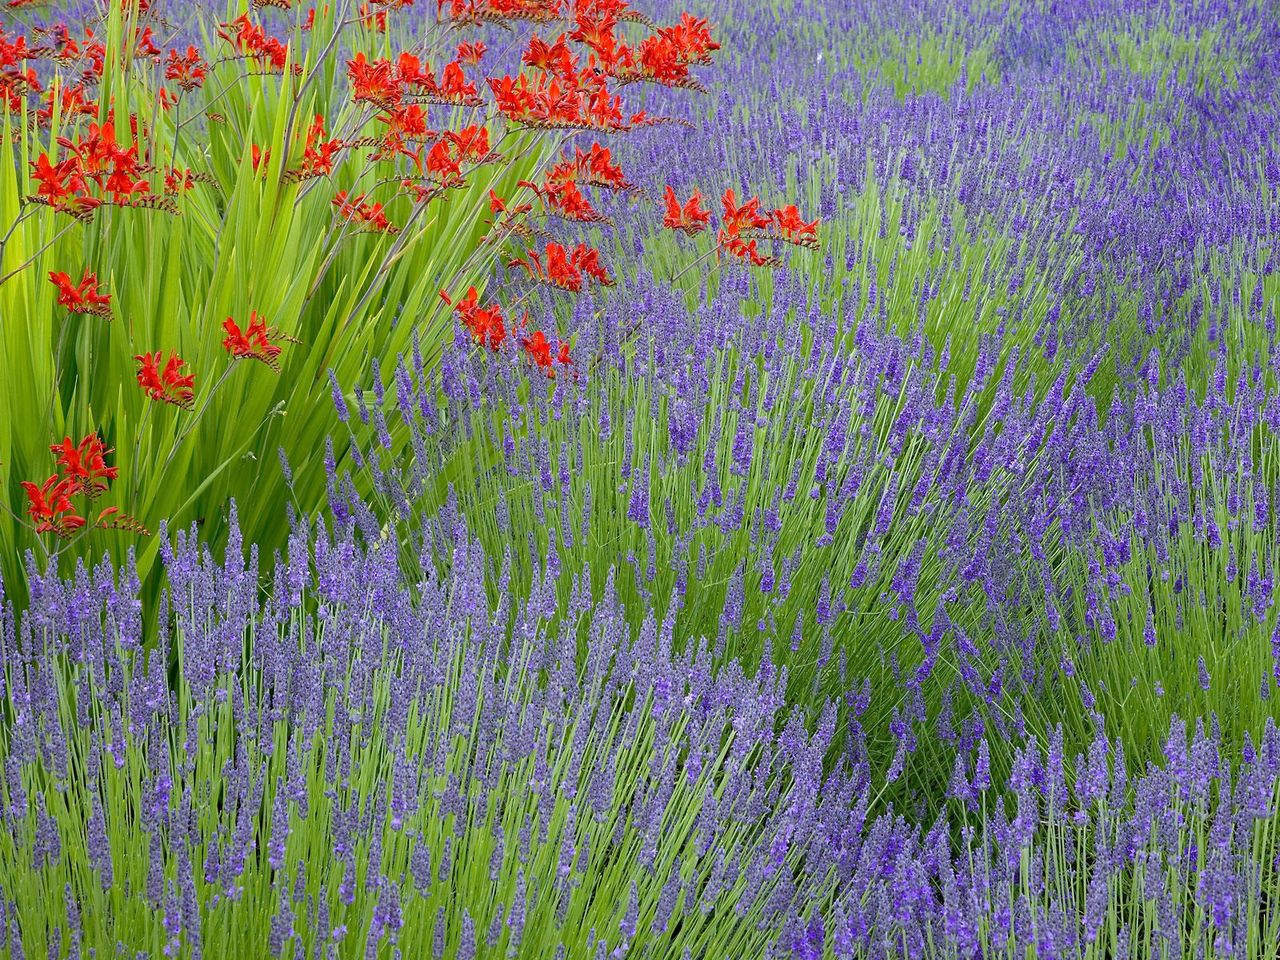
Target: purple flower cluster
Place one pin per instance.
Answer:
(359, 762)
(835, 497)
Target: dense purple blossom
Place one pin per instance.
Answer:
(776, 814)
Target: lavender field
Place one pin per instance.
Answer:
(716, 480)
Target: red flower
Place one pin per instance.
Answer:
(485, 323)
(250, 41)
(441, 164)
(594, 167)
(538, 348)
(258, 157)
(49, 506)
(745, 217)
(85, 464)
(472, 53)
(84, 298)
(63, 185)
(177, 180)
(146, 45)
(564, 199)
(471, 142)
(554, 58)
(168, 385)
(454, 87)
(587, 259)
(739, 223)
(188, 69)
(318, 154)
(794, 230)
(410, 70)
(375, 82)
(403, 123)
(562, 269)
(746, 250)
(689, 217)
(254, 342)
(373, 20)
(358, 210)
(70, 100)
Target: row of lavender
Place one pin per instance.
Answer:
(1006, 465)
(1033, 384)
(359, 764)
(981, 558)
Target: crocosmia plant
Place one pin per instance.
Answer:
(664, 480)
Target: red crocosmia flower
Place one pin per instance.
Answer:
(15, 84)
(563, 269)
(318, 154)
(106, 162)
(411, 71)
(604, 112)
(358, 210)
(689, 217)
(692, 35)
(63, 185)
(188, 69)
(168, 384)
(539, 350)
(597, 29)
(71, 101)
(254, 342)
(251, 42)
(554, 58)
(420, 192)
(787, 222)
(177, 180)
(82, 298)
(471, 142)
(746, 216)
(485, 323)
(454, 87)
(258, 157)
(375, 82)
(564, 199)
(85, 464)
(594, 167)
(375, 20)
(441, 164)
(403, 124)
(49, 506)
(746, 250)
(587, 259)
(146, 45)
(498, 205)
(472, 53)
(512, 96)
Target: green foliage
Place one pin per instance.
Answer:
(244, 241)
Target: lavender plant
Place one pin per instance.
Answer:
(364, 763)
(1009, 455)
(914, 599)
